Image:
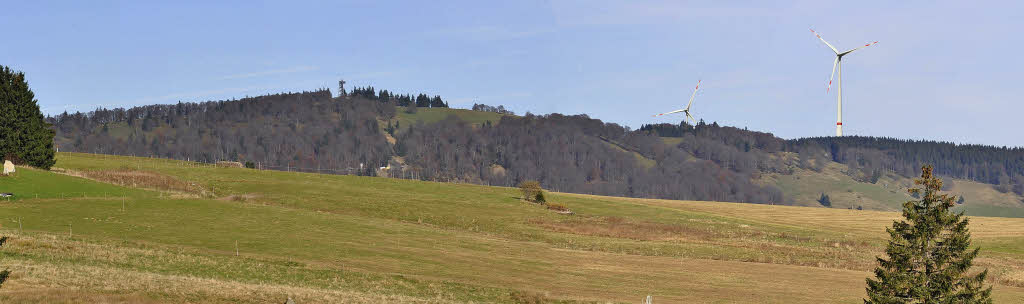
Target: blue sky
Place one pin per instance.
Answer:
(941, 70)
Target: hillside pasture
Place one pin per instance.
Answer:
(329, 238)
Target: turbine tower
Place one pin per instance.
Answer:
(838, 64)
(687, 110)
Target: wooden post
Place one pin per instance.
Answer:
(236, 247)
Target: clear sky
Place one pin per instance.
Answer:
(941, 70)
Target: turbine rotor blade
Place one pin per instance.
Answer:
(692, 120)
(676, 111)
(826, 42)
(693, 95)
(861, 47)
(834, 63)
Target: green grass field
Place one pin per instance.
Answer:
(432, 115)
(804, 187)
(338, 239)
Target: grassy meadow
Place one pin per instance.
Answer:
(125, 229)
(432, 115)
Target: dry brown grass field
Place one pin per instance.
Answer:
(347, 239)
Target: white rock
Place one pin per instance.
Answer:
(8, 167)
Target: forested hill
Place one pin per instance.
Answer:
(987, 164)
(381, 133)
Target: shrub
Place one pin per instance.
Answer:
(530, 189)
(540, 197)
(250, 165)
(824, 200)
(558, 207)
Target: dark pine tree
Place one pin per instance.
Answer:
(826, 201)
(928, 254)
(25, 136)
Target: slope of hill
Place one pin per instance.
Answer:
(369, 134)
(432, 115)
(239, 235)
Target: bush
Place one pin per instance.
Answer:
(250, 165)
(558, 207)
(824, 200)
(540, 197)
(530, 189)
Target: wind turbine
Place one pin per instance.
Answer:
(687, 110)
(838, 64)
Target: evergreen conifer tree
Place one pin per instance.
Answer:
(25, 137)
(928, 254)
(824, 200)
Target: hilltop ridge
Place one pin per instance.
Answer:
(371, 133)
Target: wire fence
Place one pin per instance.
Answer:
(65, 195)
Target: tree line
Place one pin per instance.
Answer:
(867, 157)
(500, 109)
(304, 130)
(575, 153)
(572, 153)
(404, 100)
(999, 166)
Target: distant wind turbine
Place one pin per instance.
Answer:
(687, 110)
(838, 64)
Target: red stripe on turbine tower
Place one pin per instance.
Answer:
(839, 124)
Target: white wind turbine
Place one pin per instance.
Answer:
(687, 110)
(838, 64)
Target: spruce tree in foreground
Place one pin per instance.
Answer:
(25, 137)
(928, 255)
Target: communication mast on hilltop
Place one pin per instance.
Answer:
(341, 88)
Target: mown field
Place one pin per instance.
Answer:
(139, 230)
